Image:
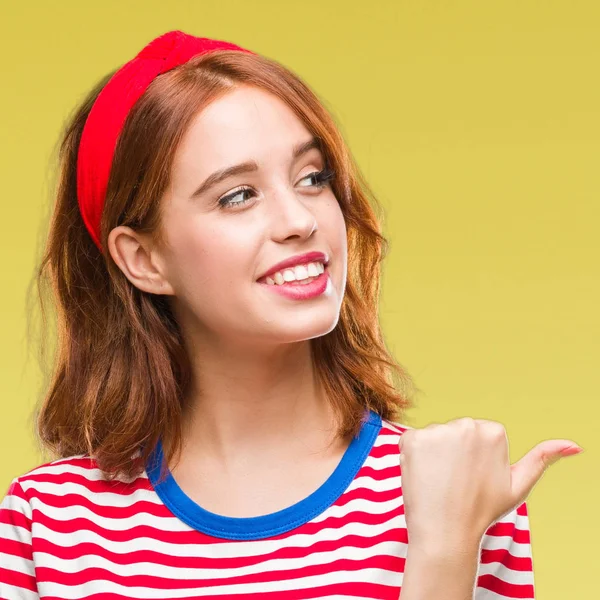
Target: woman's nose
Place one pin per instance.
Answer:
(291, 215)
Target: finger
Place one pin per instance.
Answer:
(409, 431)
(401, 442)
(526, 472)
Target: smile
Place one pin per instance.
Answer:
(308, 287)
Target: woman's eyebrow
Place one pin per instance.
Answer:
(250, 166)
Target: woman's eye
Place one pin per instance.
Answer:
(321, 178)
(226, 200)
(309, 176)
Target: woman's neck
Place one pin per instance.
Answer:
(250, 407)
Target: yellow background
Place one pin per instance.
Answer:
(477, 125)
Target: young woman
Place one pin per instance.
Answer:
(224, 415)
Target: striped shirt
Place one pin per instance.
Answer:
(66, 532)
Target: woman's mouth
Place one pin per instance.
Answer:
(303, 289)
(296, 274)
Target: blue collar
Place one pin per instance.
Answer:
(264, 526)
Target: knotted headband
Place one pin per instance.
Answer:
(109, 112)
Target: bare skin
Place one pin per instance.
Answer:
(244, 478)
(257, 425)
(457, 481)
(255, 408)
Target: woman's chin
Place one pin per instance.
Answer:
(302, 324)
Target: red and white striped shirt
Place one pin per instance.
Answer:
(66, 532)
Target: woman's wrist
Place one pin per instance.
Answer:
(445, 551)
(445, 547)
(441, 570)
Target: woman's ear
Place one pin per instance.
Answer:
(134, 254)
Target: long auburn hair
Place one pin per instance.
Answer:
(120, 371)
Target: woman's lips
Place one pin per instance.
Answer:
(263, 279)
(298, 259)
(298, 291)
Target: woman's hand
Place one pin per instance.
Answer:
(457, 479)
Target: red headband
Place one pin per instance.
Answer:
(108, 114)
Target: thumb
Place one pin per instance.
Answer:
(526, 472)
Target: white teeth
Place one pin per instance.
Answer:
(313, 270)
(289, 275)
(301, 272)
(298, 273)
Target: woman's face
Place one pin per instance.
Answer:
(216, 253)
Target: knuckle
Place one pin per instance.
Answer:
(465, 423)
(544, 461)
(433, 429)
(494, 431)
(406, 438)
(415, 439)
(409, 434)
(547, 459)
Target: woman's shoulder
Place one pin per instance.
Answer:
(63, 468)
(386, 443)
(79, 475)
(389, 427)
(60, 466)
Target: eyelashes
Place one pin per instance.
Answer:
(322, 178)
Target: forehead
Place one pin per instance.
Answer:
(246, 123)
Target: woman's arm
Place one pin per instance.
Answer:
(443, 570)
(457, 480)
(501, 566)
